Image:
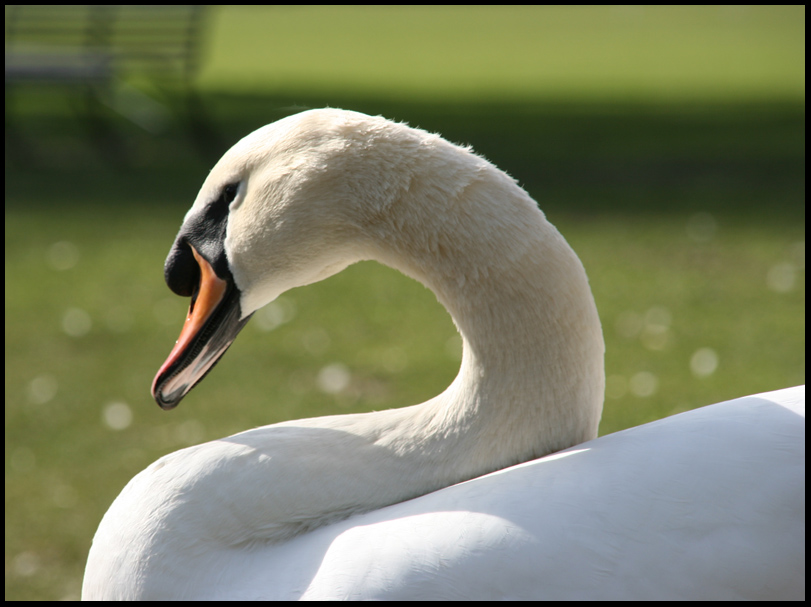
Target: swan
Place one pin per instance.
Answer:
(707, 504)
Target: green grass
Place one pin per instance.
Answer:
(524, 52)
(683, 195)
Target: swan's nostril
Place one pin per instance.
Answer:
(194, 295)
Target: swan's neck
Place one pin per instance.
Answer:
(531, 380)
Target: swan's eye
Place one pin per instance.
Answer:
(229, 192)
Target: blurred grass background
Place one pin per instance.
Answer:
(666, 143)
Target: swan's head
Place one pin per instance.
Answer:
(281, 209)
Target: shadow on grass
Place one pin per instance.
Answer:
(745, 161)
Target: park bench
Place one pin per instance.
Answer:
(95, 49)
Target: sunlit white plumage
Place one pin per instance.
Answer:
(691, 506)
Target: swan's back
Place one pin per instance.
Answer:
(708, 504)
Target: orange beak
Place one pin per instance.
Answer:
(211, 326)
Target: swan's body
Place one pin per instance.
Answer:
(298, 201)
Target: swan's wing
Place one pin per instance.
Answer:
(708, 504)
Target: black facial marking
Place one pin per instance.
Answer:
(206, 232)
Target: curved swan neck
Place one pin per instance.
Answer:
(532, 370)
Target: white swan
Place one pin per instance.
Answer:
(709, 504)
